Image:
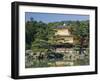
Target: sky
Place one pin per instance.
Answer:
(53, 17)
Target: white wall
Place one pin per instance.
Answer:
(5, 40)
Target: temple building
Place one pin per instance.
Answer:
(65, 43)
(63, 35)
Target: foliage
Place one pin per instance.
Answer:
(37, 31)
(81, 31)
(30, 31)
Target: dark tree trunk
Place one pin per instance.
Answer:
(81, 45)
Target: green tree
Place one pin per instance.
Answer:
(42, 37)
(30, 31)
(80, 29)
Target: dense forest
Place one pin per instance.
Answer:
(42, 31)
